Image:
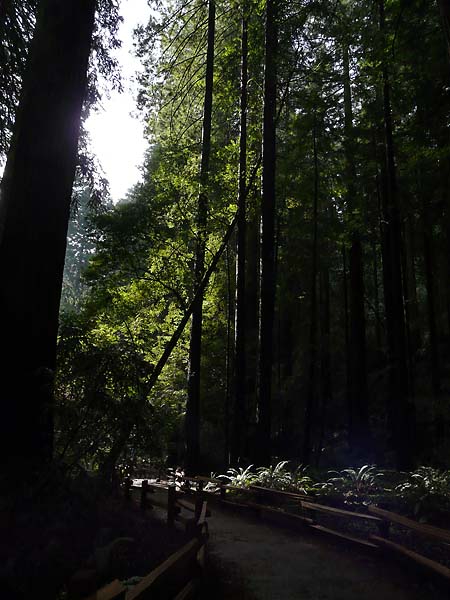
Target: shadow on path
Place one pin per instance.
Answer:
(252, 560)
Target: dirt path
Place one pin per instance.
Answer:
(253, 560)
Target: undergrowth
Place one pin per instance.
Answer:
(423, 494)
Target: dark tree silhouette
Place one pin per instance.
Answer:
(358, 423)
(34, 215)
(267, 237)
(195, 347)
(240, 332)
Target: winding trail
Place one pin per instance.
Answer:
(253, 560)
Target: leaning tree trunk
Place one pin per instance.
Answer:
(267, 237)
(34, 215)
(195, 346)
(240, 408)
(358, 417)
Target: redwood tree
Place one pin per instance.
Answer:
(240, 328)
(195, 346)
(267, 237)
(34, 214)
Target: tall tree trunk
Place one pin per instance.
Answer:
(429, 262)
(252, 281)
(376, 299)
(267, 237)
(407, 304)
(346, 324)
(34, 215)
(230, 362)
(311, 391)
(444, 8)
(358, 418)
(195, 346)
(240, 408)
(399, 408)
(412, 287)
(325, 354)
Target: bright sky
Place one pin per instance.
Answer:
(116, 135)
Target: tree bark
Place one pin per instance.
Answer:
(192, 423)
(444, 9)
(376, 299)
(358, 417)
(325, 355)
(267, 237)
(240, 408)
(429, 262)
(311, 391)
(34, 215)
(399, 409)
(229, 360)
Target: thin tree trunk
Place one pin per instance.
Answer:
(346, 325)
(240, 408)
(358, 418)
(376, 294)
(444, 9)
(267, 237)
(195, 346)
(400, 413)
(34, 216)
(325, 354)
(311, 392)
(229, 359)
(412, 285)
(407, 304)
(428, 259)
(252, 325)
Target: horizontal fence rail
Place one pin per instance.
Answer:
(310, 512)
(178, 577)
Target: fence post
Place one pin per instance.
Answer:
(171, 498)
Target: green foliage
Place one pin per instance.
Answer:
(276, 477)
(280, 478)
(360, 480)
(241, 477)
(355, 486)
(425, 491)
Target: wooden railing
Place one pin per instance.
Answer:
(309, 516)
(178, 577)
(175, 501)
(424, 530)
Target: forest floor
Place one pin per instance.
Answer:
(253, 560)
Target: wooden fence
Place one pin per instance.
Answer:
(310, 514)
(178, 577)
